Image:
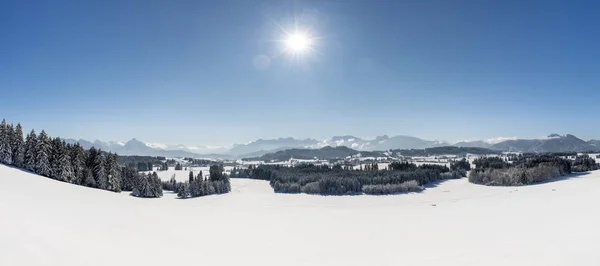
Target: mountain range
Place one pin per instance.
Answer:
(551, 143)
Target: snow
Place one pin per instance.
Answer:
(45, 222)
(157, 145)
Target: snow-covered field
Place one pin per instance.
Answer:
(45, 222)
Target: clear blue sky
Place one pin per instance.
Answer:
(183, 71)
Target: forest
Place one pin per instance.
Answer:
(324, 180)
(526, 169)
(70, 163)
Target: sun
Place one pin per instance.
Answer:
(298, 42)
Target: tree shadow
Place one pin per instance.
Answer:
(434, 184)
(562, 178)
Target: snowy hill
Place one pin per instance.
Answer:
(45, 222)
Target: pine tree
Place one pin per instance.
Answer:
(191, 177)
(77, 155)
(42, 156)
(18, 147)
(113, 173)
(55, 155)
(99, 171)
(5, 140)
(29, 156)
(65, 172)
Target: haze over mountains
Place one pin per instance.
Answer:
(551, 143)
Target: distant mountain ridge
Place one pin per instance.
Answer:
(551, 143)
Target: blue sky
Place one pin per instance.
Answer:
(183, 71)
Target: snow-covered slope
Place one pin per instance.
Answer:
(45, 222)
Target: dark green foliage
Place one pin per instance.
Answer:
(42, 157)
(524, 170)
(54, 158)
(323, 180)
(170, 185)
(147, 186)
(490, 162)
(18, 146)
(463, 165)
(128, 178)
(178, 167)
(408, 186)
(584, 163)
(218, 183)
(29, 156)
(402, 166)
(215, 172)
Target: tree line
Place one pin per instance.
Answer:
(324, 180)
(56, 159)
(197, 186)
(527, 169)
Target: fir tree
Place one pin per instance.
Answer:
(29, 155)
(18, 146)
(113, 173)
(5, 140)
(65, 172)
(42, 156)
(55, 154)
(77, 155)
(99, 171)
(191, 177)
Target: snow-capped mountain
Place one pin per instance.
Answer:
(551, 143)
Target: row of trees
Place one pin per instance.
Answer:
(66, 162)
(56, 159)
(198, 186)
(526, 169)
(325, 180)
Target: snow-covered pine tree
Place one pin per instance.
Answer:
(88, 178)
(29, 155)
(18, 146)
(157, 185)
(100, 171)
(5, 139)
(76, 153)
(42, 157)
(141, 186)
(62, 169)
(56, 151)
(66, 170)
(113, 172)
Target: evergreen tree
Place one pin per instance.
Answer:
(99, 171)
(113, 173)
(191, 177)
(18, 146)
(215, 172)
(77, 155)
(5, 140)
(56, 152)
(42, 156)
(65, 169)
(29, 155)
